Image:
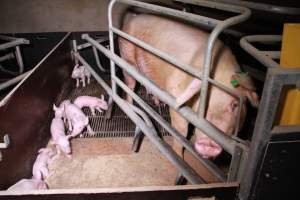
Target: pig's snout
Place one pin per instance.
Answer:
(207, 148)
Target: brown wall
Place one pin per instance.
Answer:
(20, 16)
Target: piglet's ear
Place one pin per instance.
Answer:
(41, 150)
(54, 107)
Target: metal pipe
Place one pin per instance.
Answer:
(208, 55)
(75, 50)
(85, 45)
(181, 65)
(13, 43)
(225, 141)
(164, 148)
(262, 58)
(98, 59)
(19, 59)
(12, 81)
(272, 54)
(187, 144)
(7, 57)
(216, 5)
(263, 7)
(206, 21)
(14, 73)
(7, 38)
(111, 45)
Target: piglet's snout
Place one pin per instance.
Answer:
(207, 148)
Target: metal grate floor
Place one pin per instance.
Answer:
(119, 125)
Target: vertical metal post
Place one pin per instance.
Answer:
(75, 51)
(262, 132)
(111, 45)
(19, 59)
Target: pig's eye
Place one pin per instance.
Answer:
(234, 106)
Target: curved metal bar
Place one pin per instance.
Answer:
(261, 57)
(263, 7)
(208, 56)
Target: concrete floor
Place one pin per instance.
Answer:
(109, 162)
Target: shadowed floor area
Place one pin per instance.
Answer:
(109, 162)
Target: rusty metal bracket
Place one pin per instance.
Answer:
(4, 145)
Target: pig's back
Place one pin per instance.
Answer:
(184, 42)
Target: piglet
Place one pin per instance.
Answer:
(28, 184)
(40, 167)
(81, 73)
(59, 138)
(93, 103)
(76, 119)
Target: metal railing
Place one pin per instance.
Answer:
(230, 144)
(276, 79)
(12, 42)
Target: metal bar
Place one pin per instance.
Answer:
(7, 57)
(14, 73)
(206, 21)
(185, 67)
(208, 55)
(265, 60)
(263, 7)
(7, 38)
(13, 43)
(111, 45)
(225, 141)
(216, 5)
(19, 59)
(13, 81)
(75, 47)
(207, 163)
(276, 78)
(164, 148)
(272, 54)
(97, 59)
(86, 45)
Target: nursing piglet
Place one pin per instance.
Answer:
(80, 73)
(93, 103)
(40, 167)
(28, 184)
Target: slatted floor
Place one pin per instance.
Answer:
(119, 125)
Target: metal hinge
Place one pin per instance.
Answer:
(4, 145)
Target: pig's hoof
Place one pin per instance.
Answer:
(207, 148)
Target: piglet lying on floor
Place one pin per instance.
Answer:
(59, 138)
(81, 73)
(93, 103)
(28, 184)
(40, 167)
(77, 120)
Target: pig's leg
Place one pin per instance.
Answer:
(77, 82)
(45, 172)
(93, 110)
(131, 83)
(69, 125)
(38, 175)
(99, 109)
(128, 52)
(181, 125)
(88, 79)
(90, 130)
(83, 81)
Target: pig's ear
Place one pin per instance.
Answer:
(252, 97)
(41, 150)
(188, 93)
(54, 107)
